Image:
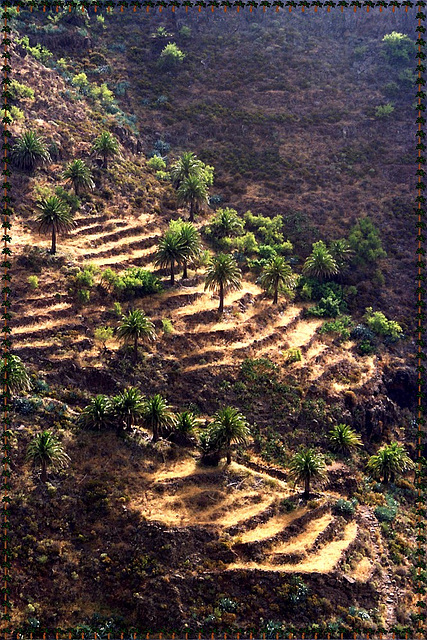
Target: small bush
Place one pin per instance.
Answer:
(171, 56)
(384, 110)
(33, 281)
(12, 113)
(388, 513)
(379, 324)
(103, 334)
(157, 163)
(19, 90)
(167, 326)
(293, 355)
(117, 309)
(398, 47)
(163, 175)
(341, 326)
(137, 282)
(185, 32)
(344, 507)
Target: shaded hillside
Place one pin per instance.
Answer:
(297, 136)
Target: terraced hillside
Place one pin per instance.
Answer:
(254, 540)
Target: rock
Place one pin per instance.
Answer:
(401, 385)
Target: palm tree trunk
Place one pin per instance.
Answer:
(43, 476)
(155, 433)
(135, 348)
(191, 211)
(53, 249)
(228, 456)
(276, 294)
(221, 297)
(307, 488)
(172, 272)
(76, 188)
(184, 273)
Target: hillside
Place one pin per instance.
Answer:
(136, 534)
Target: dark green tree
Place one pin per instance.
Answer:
(277, 274)
(223, 275)
(307, 465)
(134, 327)
(106, 146)
(29, 151)
(79, 174)
(158, 416)
(55, 217)
(46, 450)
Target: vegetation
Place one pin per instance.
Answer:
(222, 275)
(45, 450)
(29, 151)
(18, 378)
(306, 466)
(127, 407)
(193, 192)
(398, 47)
(171, 56)
(172, 250)
(97, 415)
(320, 263)
(190, 240)
(389, 462)
(134, 327)
(78, 173)
(379, 324)
(228, 426)
(106, 146)
(365, 241)
(55, 217)
(343, 439)
(157, 416)
(277, 275)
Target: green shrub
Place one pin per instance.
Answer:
(167, 325)
(364, 239)
(12, 113)
(342, 326)
(163, 175)
(388, 513)
(379, 324)
(33, 281)
(103, 334)
(398, 47)
(80, 81)
(344, 507)
(366, 348)
(19, 90)
(293, 355)
(117, 309)
(384, 110)
(171, 56)
(185, 32)
(329, 307)
(157, 163)
(137, 282)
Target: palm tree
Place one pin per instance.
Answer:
(191, 241)
(157, 415)
(343, 439)
(276, 274)
(135, 326)
(171, 250)
(29, 151)
(17, 374)
(224, 275)
(307, 465)
(226, 223)
(79, 174)
(46, 450)
(107, 146)
(194, 192)
(187, 165)
(128, 406)
(320, 263)
(97, 415)
(185, 428)
(55, 217)
(389, 461)
(229, 426)
(341, 253)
